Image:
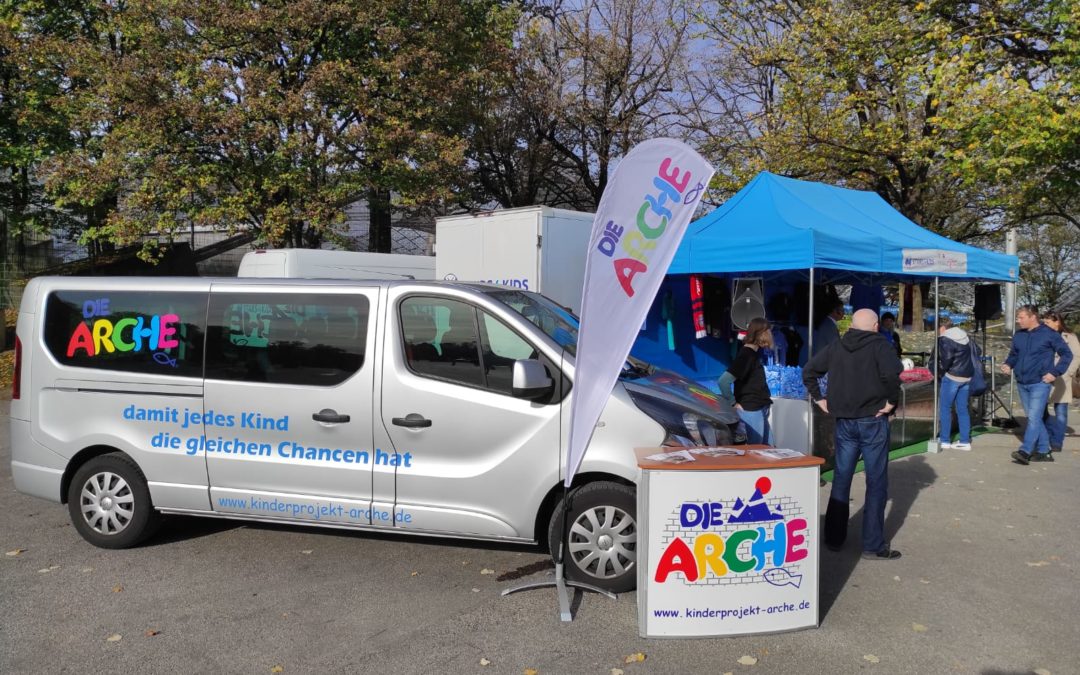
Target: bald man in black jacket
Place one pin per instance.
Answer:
(864, 388)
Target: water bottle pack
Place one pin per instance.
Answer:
(786, 382)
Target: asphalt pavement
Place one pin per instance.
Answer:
(988, 583)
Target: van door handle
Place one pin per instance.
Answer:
(412, 421)
(328, 416)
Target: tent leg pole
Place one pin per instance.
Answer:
(934, 445)
(810, 352)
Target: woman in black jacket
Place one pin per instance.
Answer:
(752, 399)
(955, 369)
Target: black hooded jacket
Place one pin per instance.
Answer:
(864, 374)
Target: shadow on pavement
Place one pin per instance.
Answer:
(906, 480)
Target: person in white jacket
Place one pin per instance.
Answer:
(1057, 416)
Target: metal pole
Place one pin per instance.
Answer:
(810, 352)
(1010, 308)
(934, 445)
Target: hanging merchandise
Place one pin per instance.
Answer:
(667, 315)
(697, 306)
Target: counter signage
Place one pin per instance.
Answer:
(731, 552)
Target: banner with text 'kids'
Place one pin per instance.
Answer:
(642, 216)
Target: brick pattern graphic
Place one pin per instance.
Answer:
(788, 506)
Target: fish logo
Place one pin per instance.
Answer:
(781, 577)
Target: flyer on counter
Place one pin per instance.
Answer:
(718, 452)
(674, 457)
(778, 453)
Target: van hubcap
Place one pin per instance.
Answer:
(107, 503)
(603, 542)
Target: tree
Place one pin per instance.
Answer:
(593, 79)
(886, 95)
(274, 116)
(1049, 263)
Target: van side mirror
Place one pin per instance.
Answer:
(531, 380)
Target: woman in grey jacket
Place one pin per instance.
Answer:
(955, 370)
(1057, 417)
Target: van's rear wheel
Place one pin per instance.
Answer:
(110, 504)
(601, 544)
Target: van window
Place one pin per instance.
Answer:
(134, 331)
(501, 346)
(286, 338)
(440, 339)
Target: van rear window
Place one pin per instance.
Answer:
(134, 331)
(286, 338)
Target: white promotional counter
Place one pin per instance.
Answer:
(728, 545)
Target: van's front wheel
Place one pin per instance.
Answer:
(601, 545)
(110, 504)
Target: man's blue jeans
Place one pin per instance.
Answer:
(1056, 422)
(953, 391)
(1033, 397)
(757, 424)
(868, 436)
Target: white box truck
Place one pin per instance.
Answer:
(306, 263)
(536, 248)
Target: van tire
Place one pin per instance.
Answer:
(603, 536)
(109, 503)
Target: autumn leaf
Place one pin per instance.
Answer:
(871, 658)
(487, 571)
(918, 628)
(12, 554)
(531, 671)
(277, 669)
(747, 660)
(118, 589)
(636, 657)
(151, 632)
(115, 637)
(485, 662)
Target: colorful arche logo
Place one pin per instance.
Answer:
(776, 542)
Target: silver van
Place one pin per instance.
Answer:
(427, 408)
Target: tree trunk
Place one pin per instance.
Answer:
(379, 220)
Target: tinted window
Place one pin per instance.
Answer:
(286, 338)
(440, 339)
(135, 331)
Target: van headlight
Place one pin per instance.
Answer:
(683, 427)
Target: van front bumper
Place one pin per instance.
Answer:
(35, 469)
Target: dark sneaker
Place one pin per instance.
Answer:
(1021, 457)
(1042, 457)
(883, 554)
(1055, 448)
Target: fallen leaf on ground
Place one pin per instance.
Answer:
(115, 637)
(1041, 563)
(12, 554)
(476, 590)
(307, 551)
(871, 658)
(50, 568)
(414, 574)
(1041, 671)
(636, 657)
(918, 628)
(151, 632)
(485, 662)
(487, 571)
(924, 581)
(87, 569)
(616, 671)
(747, 660)
(277, 669)
(531, 671)
(118, 589)
(896, 578)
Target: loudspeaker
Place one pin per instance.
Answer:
(987, 302)
(748, 301)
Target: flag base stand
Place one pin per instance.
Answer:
(561, 585)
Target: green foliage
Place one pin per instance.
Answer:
(930, 104)
(271, 115)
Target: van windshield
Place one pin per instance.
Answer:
(560, 324)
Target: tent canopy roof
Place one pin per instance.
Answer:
(776, 223)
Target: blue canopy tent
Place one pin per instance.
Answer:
(777, 226)
(777, 223)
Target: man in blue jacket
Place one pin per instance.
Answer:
(1031, 359)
